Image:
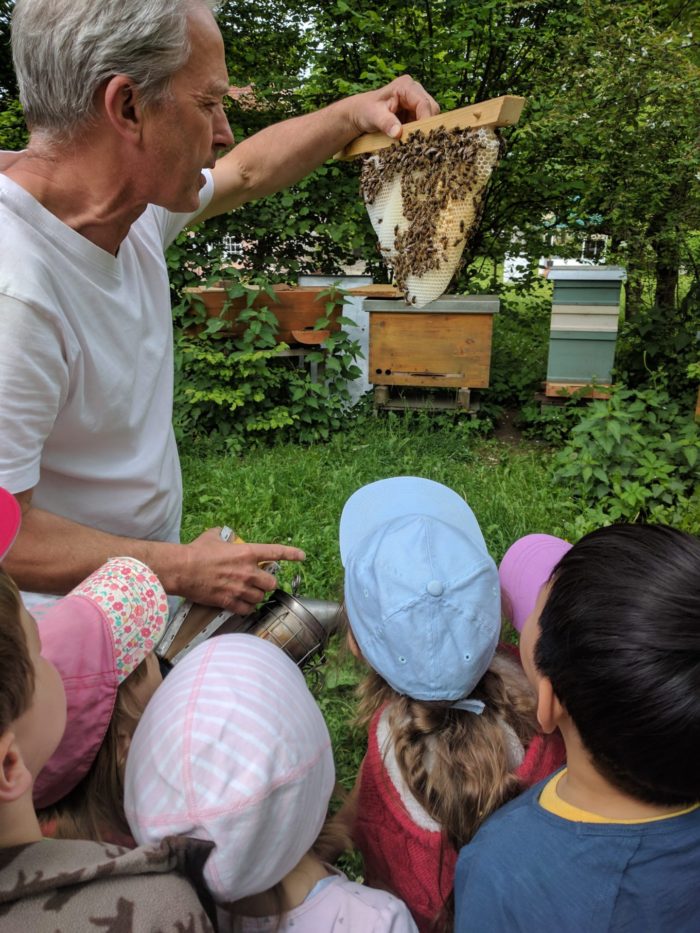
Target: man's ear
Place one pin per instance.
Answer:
(15, 778)
(550, 711)
(122, 106)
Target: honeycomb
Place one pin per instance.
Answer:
(424, 198)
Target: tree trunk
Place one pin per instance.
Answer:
(634, 286)
(666, 291)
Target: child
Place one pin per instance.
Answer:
(611, 842)
(233, 749)
(116, 616)
(50, 886)
(452, 728)
(525, 568)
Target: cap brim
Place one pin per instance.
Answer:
(387, 499)
(77, 641)
(525, 568)
(10, 520)
(95, 637)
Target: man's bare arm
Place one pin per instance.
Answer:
(282, 154)
(52, 554)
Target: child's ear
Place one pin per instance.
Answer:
(15, 778)
(353, 646)
(549, 709)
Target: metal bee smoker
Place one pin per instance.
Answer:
(299, 626)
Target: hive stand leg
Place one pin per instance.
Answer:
(381, 397)
(464, 398)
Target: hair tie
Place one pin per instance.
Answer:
(470, 706)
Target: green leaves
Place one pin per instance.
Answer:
(633, 457)
(238, 390)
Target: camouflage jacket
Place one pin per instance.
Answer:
(71, 886)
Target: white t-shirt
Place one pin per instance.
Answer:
(86, 369)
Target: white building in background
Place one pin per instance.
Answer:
(592, 250)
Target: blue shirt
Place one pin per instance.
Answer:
(529, 870)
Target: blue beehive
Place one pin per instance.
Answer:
(583, 330)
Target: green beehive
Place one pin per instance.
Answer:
(583, 330)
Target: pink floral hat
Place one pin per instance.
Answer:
(96, 636)
(10, 520)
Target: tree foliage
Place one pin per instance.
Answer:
(608, 141)
(8, 84)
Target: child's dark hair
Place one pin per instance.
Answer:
(16, 668)
(620, 642)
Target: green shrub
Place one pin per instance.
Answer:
(238, 390)
(660, 346)
(13, 130)
(553, 423)
(519, 355)
(633, 457)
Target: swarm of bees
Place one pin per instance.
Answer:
(424, 198)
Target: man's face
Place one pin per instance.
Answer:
(185, 131)
(40, 728)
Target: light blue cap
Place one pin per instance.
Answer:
(421, 591)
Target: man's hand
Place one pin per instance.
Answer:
(228, 575)
(52, 554)
(386, 109)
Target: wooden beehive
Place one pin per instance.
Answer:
(447, 343)
(583, 330)
(296, 308)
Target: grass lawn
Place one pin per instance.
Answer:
(295, 494)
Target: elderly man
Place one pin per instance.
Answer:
(123, 100)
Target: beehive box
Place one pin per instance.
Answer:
(447, 343)
(583, 329)
(297, 310)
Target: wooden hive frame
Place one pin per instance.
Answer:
(499, 111)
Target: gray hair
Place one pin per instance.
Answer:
(63, 50)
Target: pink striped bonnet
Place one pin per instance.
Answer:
(233, 748)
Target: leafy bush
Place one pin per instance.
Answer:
(665, 345)
(551, 423)
(519, 355)
(13, 130)
(238, 390)
(635, 456)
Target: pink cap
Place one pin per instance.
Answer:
(232, 748)
(95, 637)
(525, 568)
(10, 520)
